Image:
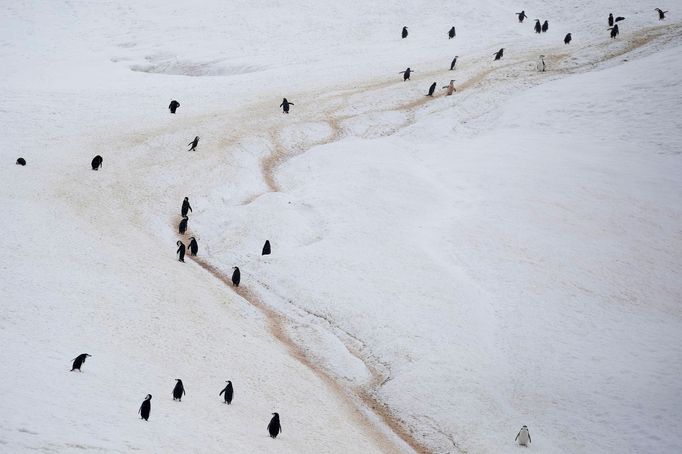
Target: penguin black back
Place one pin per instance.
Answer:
(178, 390)
(193, 246)
(180, 251)
(538, 26)
(499, 54)
(266, 248)
(96, 162)
(522, 16)
(451, 33)
(545, 26)
(78, 361)
(186, 207)
(228, 392)
(182, 227)
(614, 31)
(567, 38)
(236, 276)
(432, 88)
(453, 63)
(406, 74)
(661, 13)
(405, 32)
(610, 19)
(274, 427)
(21, 162)
(146, 407)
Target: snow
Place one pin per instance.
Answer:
(443, 270)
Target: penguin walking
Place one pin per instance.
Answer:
(538, 26)
(228, 392)
(614, 31)
(186, 207)
(78, 361)
(498, 54)
(274, 427)
(179, 390)
(545, 26)
(182, 227)
(406, 74)
(450, 87)
(285, 105)
(661, 13)
(193, 246)
(145, 408)
(21, 162)
(522, 16)
(567, 38)
(266, 248)
(405, 32)
(173, 106)
(541, 64)
(96, 162)
(453, 63)
(610, 19)
(432, 88)
(523, 437)
(181, 251)
(451, 33)
(193, 144)
(236, 276)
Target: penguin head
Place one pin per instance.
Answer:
(537, 20)
(186, 199)
(236, 268)
(228, 382)
(178, 380)
(276, 415)
(192, 238)
(178, 243)
(88, 355)
(149, 397)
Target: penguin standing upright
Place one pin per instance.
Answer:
(450, 87)
(538, 26)
(146, 407)
(182, 227)
(236, 276)
(453, 63)
(193, 144)
(193, 246)
(614, 31)
(451, 33)
(567, 38)
(78, 361)
(541, 64)
(406, 74)
(545, 26)
(610, 19)
(498, 54)
(266, 248)
(228, 392)
(285, 105)
(523, 437)
(181, 251)
(178, 390)
(173, 106)
(405, 32)
(522, 16)
(186, 207)
(661, 13)
(274, 427)
(96, 162)
(21, 162)
(432, 88)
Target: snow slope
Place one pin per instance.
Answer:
(443, 270)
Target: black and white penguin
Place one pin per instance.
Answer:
(274, 427)
(541, 64)
(406, 74)
(78, 361)
(182, 227)
(522, 16)
(405, 32)
(450, 88)
(498, 54)
(453, 63)
(173, 106)
(181, 251)
(610, 19)
(193, 246)
(193, 144)
(146, 407)
(661, 13)
(186, 207)
(178, 390)
(451, 33)
(21, 162)
(523, 437)
(432, 88)
(285, 105)
(266, 248)
(236, 276)
(96, 162)
(567, 38)
(228, 392)
(614, 31)
(538, 26)
(545, 26)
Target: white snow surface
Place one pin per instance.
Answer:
(443, 272)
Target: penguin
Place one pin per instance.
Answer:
(432, 88)
(182, 227)
(193, 144)
(541, 64)
(614, 31)
(661, 14)
(285, 105)
(498, 54)
(266, 248)
(451, 33)
(21, 162)
(619, 18)
(610, 19)
(181, 251)
(406, 74)
(185, 207)
(405, 32)
(545, 26)
(567, 38)
(522, 16)
(228, 391)
(78, 361)
(453, 63)
(173, 106)
(179, 390)
(96, 162)
(146, 407)
(450, 87)
(523, 437)
(538, 27)
(193, 246)
(274, 427)
(236, 276)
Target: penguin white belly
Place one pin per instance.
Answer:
(523, 438)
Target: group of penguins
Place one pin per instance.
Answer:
(274, 427)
